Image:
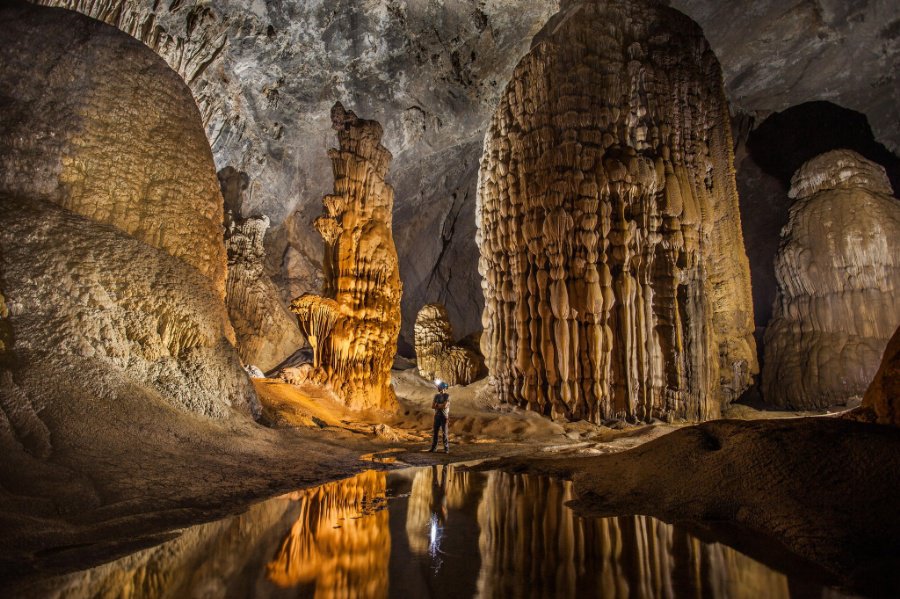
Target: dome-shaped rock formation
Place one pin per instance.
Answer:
(838, 271)
(95, 122)
(616, 283)
(112, 264)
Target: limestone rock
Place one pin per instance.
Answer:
(96, 314)
(432, 74)
(615, 279)
(436, 355)
(838, 271)
(118, 140)
(112, 264)
(266, 331)
(882, 398)
(353, 327)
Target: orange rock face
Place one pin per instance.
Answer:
(615, 278)
(357, 321)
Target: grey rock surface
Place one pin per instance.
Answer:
(266, 74)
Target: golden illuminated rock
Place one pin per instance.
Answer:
(615, 278)
(266, 331)
(117, 141)
(332, 547)
(112, 264)
(838, 272)
(356, 322)
(436, 355)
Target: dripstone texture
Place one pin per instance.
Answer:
(117, 140)
(111, 256)
(353, 326)
(838, 271)
(436, 355)
(265, 75)
(266, 331)
(616, 283)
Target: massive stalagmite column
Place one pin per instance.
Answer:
(436, 355)
(838, 271)
(354, 327)
(615, 278)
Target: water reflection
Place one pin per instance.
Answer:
(340, 543)
(445, 533)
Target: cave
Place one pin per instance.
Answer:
(636, 261)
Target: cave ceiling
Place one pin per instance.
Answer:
(265, 75)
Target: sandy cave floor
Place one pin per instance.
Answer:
(112, 496)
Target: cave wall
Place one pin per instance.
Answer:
(838, 275)
(616, 283)
(265, 77)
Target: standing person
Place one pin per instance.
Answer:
(441, 407)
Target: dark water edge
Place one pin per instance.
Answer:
(434, 532)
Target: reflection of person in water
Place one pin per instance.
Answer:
(439, 512)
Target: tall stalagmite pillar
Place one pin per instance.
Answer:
(615, 278)
(354, 327)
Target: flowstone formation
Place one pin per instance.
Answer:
(266, 331)
(436, 355)
(74, 132)
(112, 264)
(353, 326)
(615, 279)
(838, 271)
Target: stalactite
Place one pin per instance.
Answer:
(615, 279)
(362, 275)
(838, 272)
(436, 354)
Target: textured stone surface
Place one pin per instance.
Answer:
(96, 313)
(616, 283)
(94, 122)
(132, 303)
(266, 331)
(838, 276)
(882, 398)
(266, 74)
(353, 326)
(436, 355)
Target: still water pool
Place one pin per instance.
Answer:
(432, 532)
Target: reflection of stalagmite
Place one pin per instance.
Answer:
(436, 355)
(615, 277)
(838, 271)
(330, 545)
(362, 277)
(526, 529)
